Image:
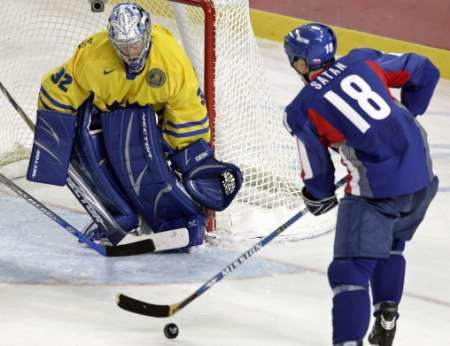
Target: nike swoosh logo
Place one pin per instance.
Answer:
(107, 72)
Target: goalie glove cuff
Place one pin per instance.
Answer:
(188, 158)
(318, 206)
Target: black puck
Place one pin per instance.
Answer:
(171, 330)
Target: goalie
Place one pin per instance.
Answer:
(127, 113)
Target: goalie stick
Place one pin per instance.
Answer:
(75, 182)
(19, 109)
(161, 242)
(155, 310)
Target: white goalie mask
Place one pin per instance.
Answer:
(129, 28)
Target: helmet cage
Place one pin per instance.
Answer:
(128, 25)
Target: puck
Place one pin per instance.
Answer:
(171, 330)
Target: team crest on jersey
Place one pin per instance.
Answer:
(156, 78)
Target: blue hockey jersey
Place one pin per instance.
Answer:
(349, 107)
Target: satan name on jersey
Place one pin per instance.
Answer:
(328, 75)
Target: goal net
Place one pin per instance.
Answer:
(37, 35)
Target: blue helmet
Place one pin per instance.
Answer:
(313, 42)
(129, 28)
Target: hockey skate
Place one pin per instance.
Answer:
(383, 331)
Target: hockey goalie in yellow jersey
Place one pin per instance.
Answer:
(126, 115)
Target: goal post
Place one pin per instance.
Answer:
(218, 37)
(209, 51)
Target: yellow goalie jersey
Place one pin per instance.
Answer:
(167, 82)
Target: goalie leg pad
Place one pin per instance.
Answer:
(196, 228)
(211, 183)
(91, 163)
(135, 149)
(53, 141)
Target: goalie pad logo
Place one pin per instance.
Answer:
(156, 78)
(36, 163)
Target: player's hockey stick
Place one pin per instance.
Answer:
(156, 310)
(135, 248)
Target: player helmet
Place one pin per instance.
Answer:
(313, 42)
(129, 28)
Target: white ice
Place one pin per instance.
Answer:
(53, 291)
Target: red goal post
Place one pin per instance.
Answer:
(246, 124)
(209, 74)
(210, 55)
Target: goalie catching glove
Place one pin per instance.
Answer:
(211, 183)
(318, 206)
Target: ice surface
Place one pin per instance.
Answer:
(56, 292)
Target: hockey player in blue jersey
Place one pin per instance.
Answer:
(346, 105)
(126, 117)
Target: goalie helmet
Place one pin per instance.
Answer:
(313, 42)
(129, 28)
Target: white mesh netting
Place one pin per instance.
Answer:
(248, 126)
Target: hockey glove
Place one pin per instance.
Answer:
(211, 183)
(318, 206)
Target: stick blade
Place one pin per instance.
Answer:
(136, 248)
(142, 308)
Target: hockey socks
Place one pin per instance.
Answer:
(349, 279)
(388, 276)
(387, 288)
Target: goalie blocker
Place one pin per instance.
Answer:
(122, 157)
